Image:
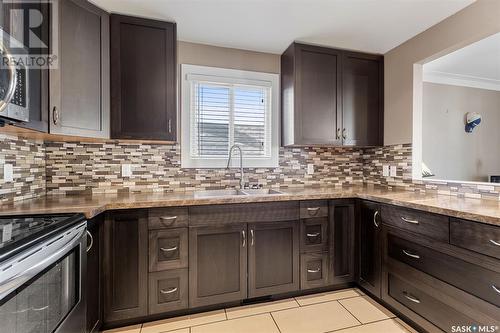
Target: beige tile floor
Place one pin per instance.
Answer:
(343, 311)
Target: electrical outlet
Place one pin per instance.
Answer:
(394, 171)
(310, 169)
(8, 173)
(126, 170)
(385, 170)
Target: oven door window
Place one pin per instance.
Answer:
(44, 302)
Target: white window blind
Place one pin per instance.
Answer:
(227, 110)
(228, 114)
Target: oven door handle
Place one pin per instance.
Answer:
(20, 269)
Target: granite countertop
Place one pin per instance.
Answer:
(486, 211)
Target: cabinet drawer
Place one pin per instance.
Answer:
(243, 213)
(471, 278)
(313, 270)
(168, 249)
(313, 208)
(430, 225)
(475, 236)
(168, 291)
(417, 300)
(314, 235)
(161, 218)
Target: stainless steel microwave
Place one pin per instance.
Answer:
(14, 87)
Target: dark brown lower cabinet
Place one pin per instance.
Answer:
(168, 291)
(217, 264)
(125, 265)
(273, 258)
(369, 243)
(342, 240)
(314, 270)
(94, 304)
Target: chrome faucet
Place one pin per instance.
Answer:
(241, 162)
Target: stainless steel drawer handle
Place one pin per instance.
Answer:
(168, 219)
(314, 270)
(494, 243)
(169, 291)
(416, 256)
(169, 249)
(409, 221)
(377, 224)
(252, 237)
(91, 241)
(411, 297)
(316, 234)
(313, 210)
(244, 236)
(495, 288)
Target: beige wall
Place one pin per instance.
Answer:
(471, 24)
(214, 56)
(447, 149)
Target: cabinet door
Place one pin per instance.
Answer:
(217, 264)
(143, 96)
(370, 258)
(79, 87)
(94, 304)
(317, 101)
(362, 99)
(342, 235)
(125, 265)
(273, 258)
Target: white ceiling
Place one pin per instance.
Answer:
(271, 25)
(479, 60)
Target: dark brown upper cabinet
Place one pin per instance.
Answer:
(143, 76)
(311, 89)
(331, 97)
(362, 99)
(79, 87)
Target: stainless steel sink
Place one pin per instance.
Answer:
(218, 193)
(235, 192)
(261, 191)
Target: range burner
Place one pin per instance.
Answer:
(17, 232)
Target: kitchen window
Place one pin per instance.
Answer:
(224, 107)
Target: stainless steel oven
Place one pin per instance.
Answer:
(42, 288)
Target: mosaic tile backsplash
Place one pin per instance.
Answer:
(96, 168)
(28, 160)
(90, 168)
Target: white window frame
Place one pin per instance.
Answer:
(224, 75)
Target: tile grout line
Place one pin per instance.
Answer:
(322, 302)
(274, 320)
(376, 321)
(342, 305)
(264, 312)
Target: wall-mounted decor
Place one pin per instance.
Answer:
(472, 119)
